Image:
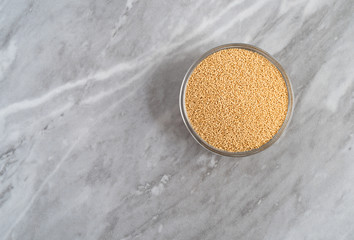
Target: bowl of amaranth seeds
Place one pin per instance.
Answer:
(236, 100)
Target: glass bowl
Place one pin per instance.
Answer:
(223, 152)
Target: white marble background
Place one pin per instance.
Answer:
(92, 145)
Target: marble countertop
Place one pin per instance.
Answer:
(92, 144)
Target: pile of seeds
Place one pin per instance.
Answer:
(236, 100)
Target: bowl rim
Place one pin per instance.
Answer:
(220, 151)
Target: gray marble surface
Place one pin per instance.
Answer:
(92, 145)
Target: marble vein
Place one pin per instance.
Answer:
(32, 103)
